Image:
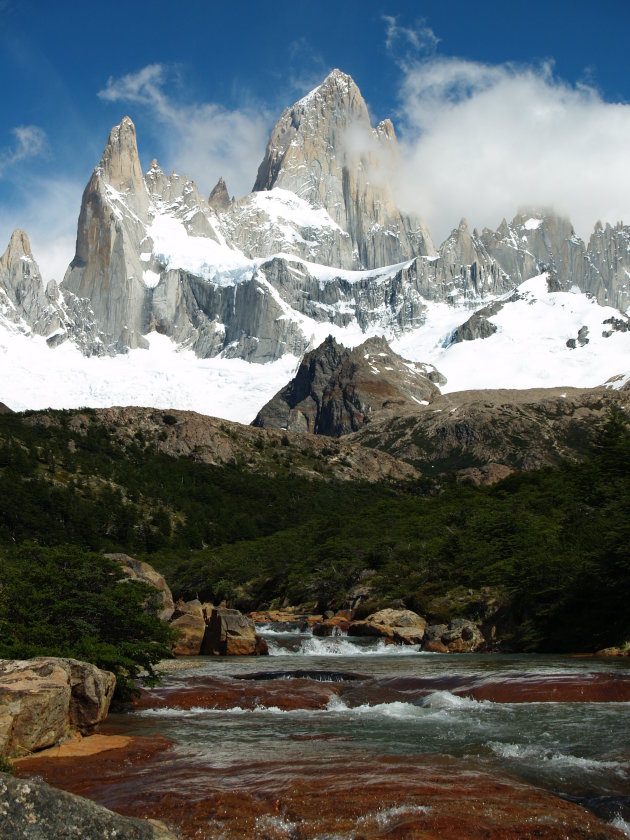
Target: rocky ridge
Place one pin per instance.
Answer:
(252, 278)
(220, 442)
(337, 391)
(483, 435)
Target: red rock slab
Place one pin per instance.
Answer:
(561, 688)
(500, 688)
(361, 797)
(228, 694)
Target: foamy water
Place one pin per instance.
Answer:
(378, 700)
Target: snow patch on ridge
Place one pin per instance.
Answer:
(529, 349)
(202, 256)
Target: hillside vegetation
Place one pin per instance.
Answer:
(549, 545)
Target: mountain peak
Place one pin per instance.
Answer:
(336, 84)
(19, 244)
(219, 197)
(120, 164)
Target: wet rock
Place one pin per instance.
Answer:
(33, 810)
(401, 626)
(334, 626)
(44, 700)
(191, 629)
(230, 633)
(143, 572)
(460, 636)
(621, 650)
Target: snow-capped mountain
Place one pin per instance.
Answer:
(319, 247)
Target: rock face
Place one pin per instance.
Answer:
(337, 391)
(219, 198)
(44, 700)
(4, 409)
(143, 572)
(32, 306)
(33, 810)
(324, 149)
(229, 633)
(235, 277)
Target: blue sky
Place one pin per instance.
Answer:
(496, 104)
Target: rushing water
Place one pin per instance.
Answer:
(351, 738)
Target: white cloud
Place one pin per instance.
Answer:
(405, 41)
(481, 140)
(30, 141)
(202, 140)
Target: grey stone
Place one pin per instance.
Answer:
(32, 810)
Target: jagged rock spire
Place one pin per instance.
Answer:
(219, 197)
(120, 164)
(325, 150)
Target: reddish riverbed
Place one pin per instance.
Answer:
(333, 739)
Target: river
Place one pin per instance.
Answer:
(350, 738)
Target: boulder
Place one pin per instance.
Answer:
(44, 700)
(192, 629)
(401, 626)
(621, 650)
(334, 626)
(194, 607)
(229, 633)
(139, 570)
(33, 810)
(460, 636)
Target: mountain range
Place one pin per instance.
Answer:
(318, 247)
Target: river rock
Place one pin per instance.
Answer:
(44, 700)
(230, 633)
(33, 810)
(194, 607)
(460, 636)
(139, 570)
(402, 626)
(334, 626)
(621, 650)
(192, 629)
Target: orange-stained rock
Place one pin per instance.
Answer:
(191, 629)
(230, 633)
(332, 626)
(44, 700)
(358, 796)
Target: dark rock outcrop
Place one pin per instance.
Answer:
(219, 198)
(337, 391)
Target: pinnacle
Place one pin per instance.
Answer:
(19, 246)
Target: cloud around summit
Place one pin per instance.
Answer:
(481, 140)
